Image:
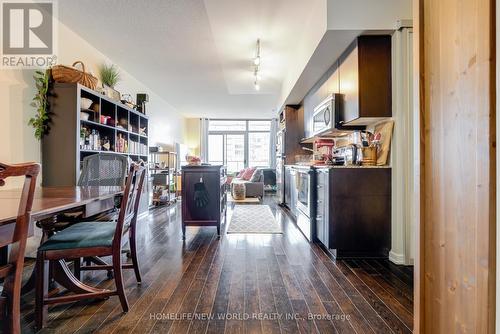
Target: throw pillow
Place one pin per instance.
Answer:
(240, 174)
(256, 176)
(247, 175)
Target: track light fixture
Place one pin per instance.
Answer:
(256, 63)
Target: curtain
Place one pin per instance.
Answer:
(204, 139)
(272, 143)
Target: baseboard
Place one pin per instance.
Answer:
(397, 258)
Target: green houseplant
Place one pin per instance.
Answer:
(41, 121)
(110, 75)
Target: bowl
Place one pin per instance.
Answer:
(84, 116)
(85, 103)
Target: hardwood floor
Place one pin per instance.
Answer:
(240, 283)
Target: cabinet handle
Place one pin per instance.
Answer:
(320, 201)
(320, 186)
(319, 217)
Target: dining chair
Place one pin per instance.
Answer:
(92, 239)
(12, 271)
(103, 169)
(98, 170)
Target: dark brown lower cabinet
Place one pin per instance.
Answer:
(353, 211)
(203, 196)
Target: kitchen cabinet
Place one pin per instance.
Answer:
(365, 76)
(353, 211)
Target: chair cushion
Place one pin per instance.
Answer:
(256, 176)
(82, 235)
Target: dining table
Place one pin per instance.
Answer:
(49, 202)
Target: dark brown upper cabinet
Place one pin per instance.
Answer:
(365, 80)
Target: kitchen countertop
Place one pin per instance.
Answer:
(333, 166)
(363, 167)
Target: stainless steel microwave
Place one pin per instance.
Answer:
(326, 114)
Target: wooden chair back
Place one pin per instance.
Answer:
(12, 271)
(130, 202)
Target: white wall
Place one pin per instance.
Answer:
(367, 14)
(405, 144)
(17, 143)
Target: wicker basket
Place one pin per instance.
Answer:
(66, 74)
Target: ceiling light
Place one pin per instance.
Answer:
(256, 62)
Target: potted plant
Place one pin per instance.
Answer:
(110, 76)
(41, 121)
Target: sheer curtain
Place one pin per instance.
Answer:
(272, 143)
(204, 139)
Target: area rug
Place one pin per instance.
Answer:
(246, 200)
(253, 219)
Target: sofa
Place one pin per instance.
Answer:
(254, 185)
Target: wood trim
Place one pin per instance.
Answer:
(418, 63)
(455, 265)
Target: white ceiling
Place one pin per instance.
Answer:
(197, 54)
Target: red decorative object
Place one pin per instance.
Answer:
(247, 175)
(240, 174)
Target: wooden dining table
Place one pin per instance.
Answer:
(49, 202)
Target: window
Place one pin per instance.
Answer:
(258, 149)
(226, 125)
(216, 151)
(239, 143)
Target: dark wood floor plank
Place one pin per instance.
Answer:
(190, 301)
(236, 302)
(251, 306)
(281, 299)
(175, 301)
(397, 270)
(313, 301)
(376, 322)
(267, 305)
(291, 285)
(395, 292)
(221, 301)
(206, 301)
(394, 323)
(302, 314)
(347, 306)
(392, 278)
(392, 303)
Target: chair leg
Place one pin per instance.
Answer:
(10, 301)
(42, 290)
(133, 255)
(117, 270)
(77, 268)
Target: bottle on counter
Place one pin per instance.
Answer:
(91, 140)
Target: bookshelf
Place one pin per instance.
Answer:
(121, 129)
